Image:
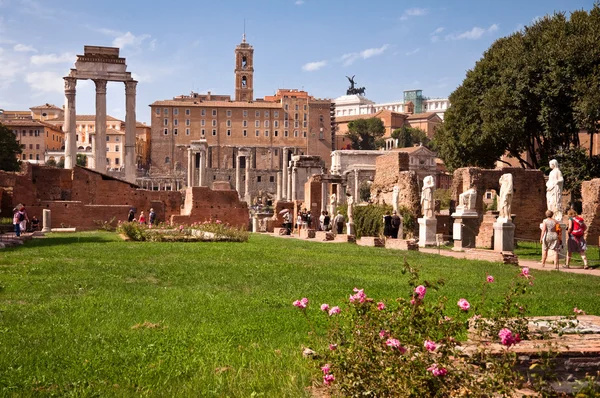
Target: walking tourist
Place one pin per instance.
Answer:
(142, 219)
(387, 225)
(338, 221)
(16, 222)
(550, 238)
(151, 217)
(396, 225)
(24, 219)
(576, 242)
(326, 221)
(131, 215)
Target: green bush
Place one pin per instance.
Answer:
(216, 232)
(443, 195)
(368, 220)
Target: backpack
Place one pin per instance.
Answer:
(21, 216)
(579, 227)
(396, 222)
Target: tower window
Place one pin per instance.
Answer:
(245, 113)
(166, 132)
(203, 112)
(244, 82)
(244, 62)
(214, 112)
(257, 133)
(187, 131)
(187, 112)
(266, 133)
(276, 114)
(245, 133)
(228, 112)
(214, 132)
(176, 111)
(276, 133)
(167, 160)
(266, 113)
(229, 132)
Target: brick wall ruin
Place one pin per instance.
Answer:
(392, 170)
(590, 197)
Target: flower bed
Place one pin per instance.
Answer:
(208, 231)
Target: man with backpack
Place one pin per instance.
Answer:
(396, 225)
(576, 241)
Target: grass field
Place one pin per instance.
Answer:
(90, 315)
(532, 250)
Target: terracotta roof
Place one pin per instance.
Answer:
(85, 118)
(113, 132)
(46, 106)
(219, 104)
(426, 115)
(140, 124)
(28, 123)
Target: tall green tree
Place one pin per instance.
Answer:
(528, 97)
(410, 136)
(366, 133)
(9, 149)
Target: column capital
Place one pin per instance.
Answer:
(130, 87)
(100, 86)
(70, 84)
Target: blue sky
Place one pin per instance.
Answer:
(178, 46)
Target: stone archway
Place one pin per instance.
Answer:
(102, 65)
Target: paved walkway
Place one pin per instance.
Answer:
(483, 255)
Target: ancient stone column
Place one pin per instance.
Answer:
(238, 175)
(279, 178)
(99, 149)
(190, 168)
(294, 182)
(284, 167)
(247, 197)
(324, 198)
(70, 124)
(130, 89)
(202, 168)
(46, 221)
(356, 190)
(288, 195)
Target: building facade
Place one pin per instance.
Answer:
(36, 138)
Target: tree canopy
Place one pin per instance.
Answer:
(410, 136)
(9, 149)
(529, 96)
(366, 133)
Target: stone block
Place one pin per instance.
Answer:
(504, 237)
(372, 241)
(321, 235)
(401, 244)
(307, 233)
(427, 230)
(344, 238)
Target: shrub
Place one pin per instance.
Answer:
(207, 231)
(368, 220)
(411, 346)
(106, 225)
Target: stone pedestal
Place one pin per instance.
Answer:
(350, 229)
(46, 220)
(254, 224)
(504, 236)
(427, 231)
(464, 230)
(307, 233)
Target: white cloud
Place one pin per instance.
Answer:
(299, 2)
(24, 48)
(129, 39)
(153, 45)
(413, 52)
(46, 82)
(473, 34)
(313, 66)
(437, 31)
(350, 58)
(52, 58)
(413, 12)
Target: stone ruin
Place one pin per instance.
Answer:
(590, 197)
(392, 170)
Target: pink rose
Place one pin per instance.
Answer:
(360, 296)
(301, 303)
(430, 345)
(380, 306)
(437, 371)
(328, 379)
(464, 304)
(332, 347)
(507, 338)
(326, 368)
(334, 310)
(525, 272)
(578, 311)
(490, 279)
(395, 344)
(325, 307)
(420, 291)
(382, 334)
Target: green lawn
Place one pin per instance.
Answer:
(532, 250)
(220, 317)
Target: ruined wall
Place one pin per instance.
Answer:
(313, 191)
(202, 204)
(391, 171)
(590, 197)
(529, 195)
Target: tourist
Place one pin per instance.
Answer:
(576, 241)
(287, 222)
(131, 215)
(326, 221)
(308, 219)
(299, 222)
(550, 238)
(338, 221)
(35, 223)
(304, 216)
(387, 225)
(396, 225)
(23, 218)
(142, 219)
(322, 221)
(16, 221)
(151, 217)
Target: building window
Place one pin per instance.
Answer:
(276, 123)
(245, 132)
(187, 112)
(304, 134)
(30, 146)
(286, 107)
(175, 122)
(276, 152)
(203, 112)
(157, 111)
(296, 124)
(116, 148)
(245, 113)
(266, 113)
(117, 139)
(266, 133)
(187, 131)
(187, 122)
(31, 156)
(107, 148)
(228, 113)
(175, 111)
(214, 112)
(257, 114)
(166, 122)
(202, 132)
(271, 179)
(275, 114)
(229, 132)
(266, 123)
(245, 123)
(214, 132)
(37, 146)
(305, 107)
(304, 116)
(174, 131)
(286, 124)
(257, 133)
(296, 116)
(258, 179)
(202, 122)
(296, 107)
(276, 133)
(37, 156)
(117, 161)
(295, 133)
(285, 133)
(228, 123)
(166, 132)
(166, 111)
(257, 123)
(304, 124)
(214, 123)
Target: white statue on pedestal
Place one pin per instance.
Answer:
(427, 202)
(395, 195)
(350, 202)
(505, 197)
(554, 188)
(467, 201)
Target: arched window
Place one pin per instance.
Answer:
(167, 160)
(244, 62)
(244, 81)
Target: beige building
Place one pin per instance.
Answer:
(36, 138)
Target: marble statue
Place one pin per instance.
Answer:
(554, 188)
(350, 203)
(467, 201)
(395, 195)
(427, 202)
(333, 199)
(505, 197)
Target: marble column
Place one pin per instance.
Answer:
(356, 190)
(288, 195)
(247, 197)
(324, 198)
(284, 167)
(238, 175)
(47, 220)
(294, 182)
(279, 182)
(190, 167)
(99, 144)
(70, 124)
(130, 120)
(201, 168)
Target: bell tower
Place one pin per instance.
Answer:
(244, 71)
